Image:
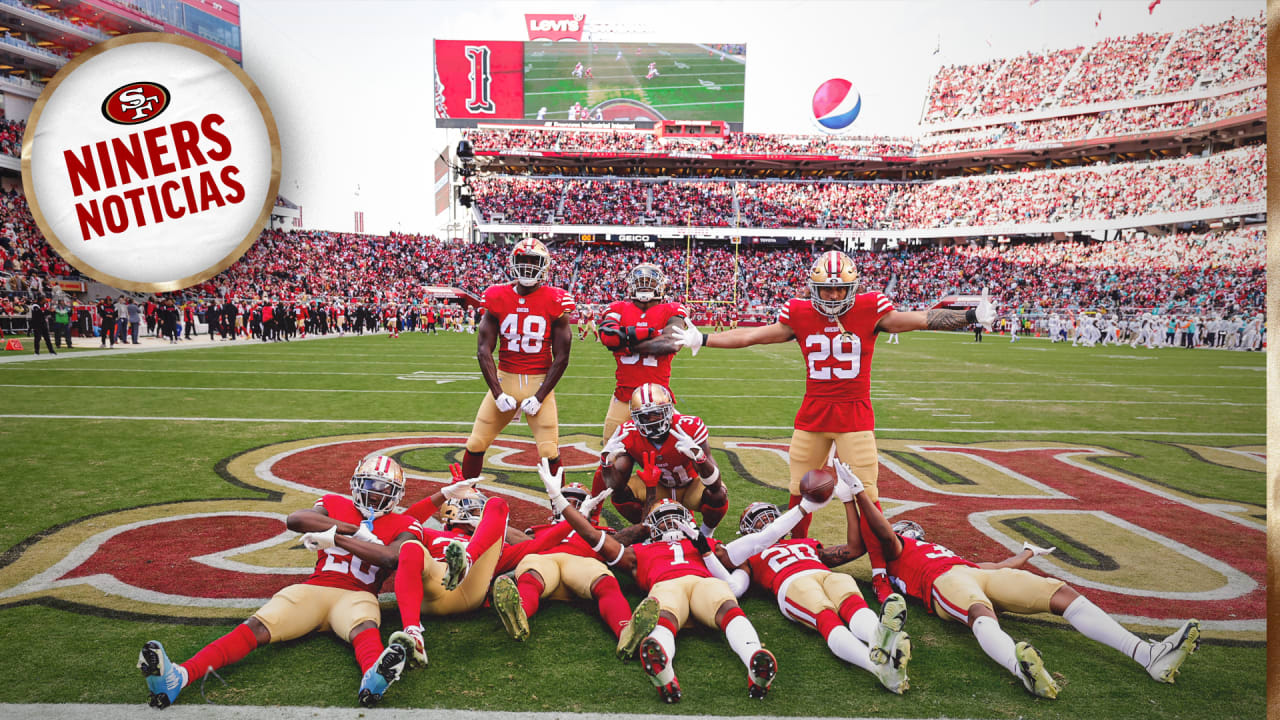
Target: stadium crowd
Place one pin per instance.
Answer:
(1113, 69)
(1099, 192)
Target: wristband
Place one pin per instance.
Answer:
(971, 315)
(712, 478)
(621, 549)
(705, 337)
(599, 543)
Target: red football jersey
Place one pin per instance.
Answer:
(524, 325)
(635, 369)
(677, 470)
(837, 395)
(783, 559)
(920, 563)
(571, 545)
(658, 561)
(338, 568)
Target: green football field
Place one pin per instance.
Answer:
(691, 85)
(148, 492)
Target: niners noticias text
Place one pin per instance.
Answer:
(161, 156)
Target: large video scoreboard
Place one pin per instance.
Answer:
(476, 81)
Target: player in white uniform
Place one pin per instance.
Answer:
(653, 71)
(577, 71)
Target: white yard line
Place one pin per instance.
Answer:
(468, 423)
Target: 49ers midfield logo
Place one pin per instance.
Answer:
(1149, 555)
(136, 102)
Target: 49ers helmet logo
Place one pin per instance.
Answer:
(135, 103)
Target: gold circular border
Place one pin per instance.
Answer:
(273, 188)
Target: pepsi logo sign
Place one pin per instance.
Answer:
(836, 104)
(135, 103)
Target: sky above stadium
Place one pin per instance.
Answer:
(351, 83)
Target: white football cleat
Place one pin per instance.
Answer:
(1168, 654)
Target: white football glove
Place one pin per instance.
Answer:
(812, 507)
(686, 446)
(458, 490)
(319, 540)
(531, 405)
(505, 402)
(365, 534)
(848, 479)
(552, 482)
(1037, 550)
(588, 506)
(985, 312)
(688, 336)
(842, 493)
(613, 448)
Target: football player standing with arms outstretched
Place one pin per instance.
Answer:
(639, 331)
(528, 321)
(836, 328)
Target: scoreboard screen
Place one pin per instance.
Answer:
(602, 81)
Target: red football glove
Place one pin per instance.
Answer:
(456, 471)
(637, 334)
(649, 473)
(612, 335)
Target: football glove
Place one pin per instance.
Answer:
(639, 334)
(1037, 550)
(365, 534)
(696, 537)
(810, 506)
(649, 473)
(688, 336)
(985, 312)
(613, 448)
(613, 335)
(459, 490)
(319, 540)
(848, 478)
(588, 506)
(552, 482)
(686, 446)
(506, 403)
(531, 405)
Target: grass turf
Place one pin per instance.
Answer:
(61, 469)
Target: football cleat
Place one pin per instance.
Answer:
(1032, 673)
(385, 671)
(411, 640)
(893, 674)
(1168, 654)
(456, 564)
(760, 671)
(659, 670)
(506, 601)
(893, 616)
(164, 679)
(643, 621)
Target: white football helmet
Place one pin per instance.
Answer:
(665, 519)
(833, 269)
(465, 510)
(646, 282)
(909, 529)
(530, 263)
(377, 486)
(756, 516)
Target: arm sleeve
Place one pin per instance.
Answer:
(422, 509)
(744, 547)
(738, 580)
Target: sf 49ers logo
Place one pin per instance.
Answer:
(135, 103)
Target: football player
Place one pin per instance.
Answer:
(566, 570)
(797, 572)
(959, 590)
(529, 321)
(677, 462)
(448, 571)
(837, 328)
(672, 571)
(357, 539)
(638, 330)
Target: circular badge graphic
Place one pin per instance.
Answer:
(836, 104)
(151, 162)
